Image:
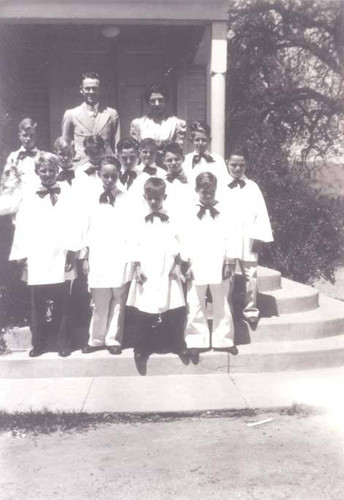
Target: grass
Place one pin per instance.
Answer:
(20, 424)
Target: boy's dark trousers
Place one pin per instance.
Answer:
(151, 335)
(58, 294)
(81, 299)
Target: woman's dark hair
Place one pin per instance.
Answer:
(156, 88)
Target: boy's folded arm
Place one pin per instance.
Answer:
(227, 269)
(256, 245)
(139, 274)
(70, 260)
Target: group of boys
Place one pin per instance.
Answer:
(153, 238)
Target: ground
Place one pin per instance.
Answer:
(335, 290)
(295, 456)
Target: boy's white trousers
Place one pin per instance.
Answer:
(197, 330)
(107, 321)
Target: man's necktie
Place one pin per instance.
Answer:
(53, 192)
(66, 175)
(159, 215)
(150, 170)
(107, 197)
(128, 177)
(92, 169)
(28, 152)
(197, 158)
(237, 182)
(180, 176)
(203, 209)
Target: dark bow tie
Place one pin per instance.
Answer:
(92, 169)
(180, 176)
(159, 215)
(52, 191)
(197, 158)
(150, 170)
(128, 177)
(107, 197)
(211, 208)
(66, 175)
(237, 182)
(28, 152)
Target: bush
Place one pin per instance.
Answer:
(307, 225)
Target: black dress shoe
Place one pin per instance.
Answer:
(141, 356)
(252, 322)
(233, 350)
(90, 348)
(114, 349)
(184, 352)
(64, 353)
(34, 353)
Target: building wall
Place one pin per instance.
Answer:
(24, 70)
(11, 88)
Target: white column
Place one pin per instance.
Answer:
(218, 68)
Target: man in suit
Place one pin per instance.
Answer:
(91, 118)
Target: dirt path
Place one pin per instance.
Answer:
(292, 457)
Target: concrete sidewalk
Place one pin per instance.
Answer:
(322, 388)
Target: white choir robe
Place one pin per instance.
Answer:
(109, 272)
(134, 195)
(160, 172)
(179, 197)
(43, 235)
(207, 243)
(18, 178)
(252, 223)
(217, 168)
(155, 246)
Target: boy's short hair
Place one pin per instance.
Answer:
(206, 179)
(110, 160)
(46, 158)
(156, 88)
(239, 150)
(127, 143)
(173, 147)
(94, 141)
(155, 185)
(27, 124)
(148, 143)
(63, 143)
(89, 74)
(198, 126)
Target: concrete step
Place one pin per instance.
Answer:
(286, 356)
(325, 321)
(252, 358)
(291, 298)
(268, 279)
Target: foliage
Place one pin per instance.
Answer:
(307, 232)
(286, 60)
(285, 103)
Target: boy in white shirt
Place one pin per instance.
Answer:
(207, 249)
(157, 293)
(65, 152)
(128, 154)
(19, 171)
(47, 237)
(253, 228)
(148, 151)
(106, 261)
(201, 160)
(178, 190)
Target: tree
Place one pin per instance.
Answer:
(286, 103)
(286, 60)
